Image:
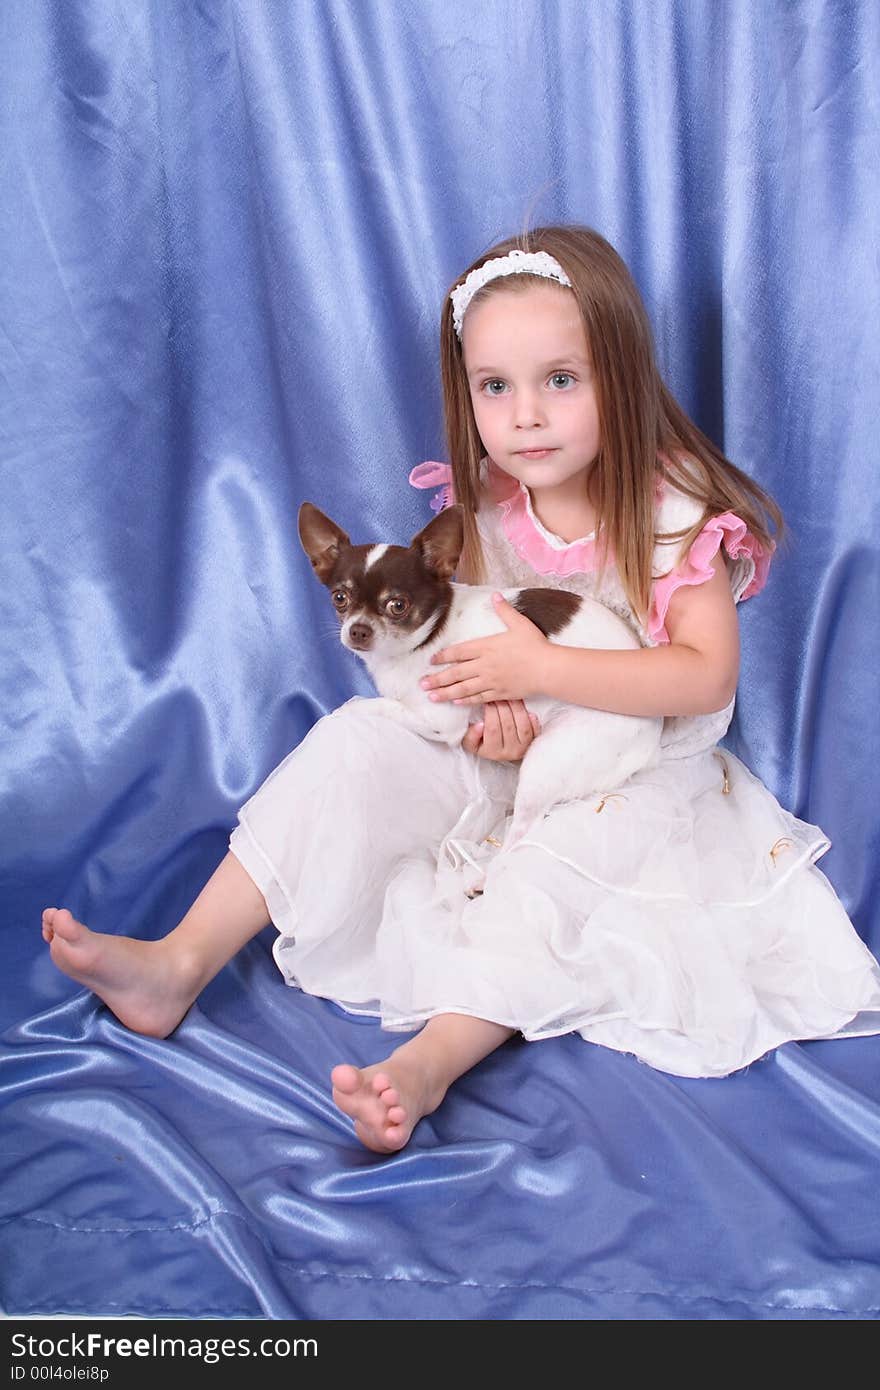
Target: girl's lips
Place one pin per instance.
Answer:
(534, 453)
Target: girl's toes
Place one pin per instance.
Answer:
(396, 1136)
(65, 924)
(346, 1078)
(396, 1115)
(381, 1082)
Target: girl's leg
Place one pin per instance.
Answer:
(338, 887)
(149, 985)
(387, 1100)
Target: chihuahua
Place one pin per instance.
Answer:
(397, 605)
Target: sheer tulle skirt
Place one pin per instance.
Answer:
(680, 918)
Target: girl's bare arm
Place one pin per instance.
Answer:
(695, 674)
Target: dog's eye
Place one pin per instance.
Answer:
(340, 598)
(397, 607)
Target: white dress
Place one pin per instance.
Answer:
(681, 918)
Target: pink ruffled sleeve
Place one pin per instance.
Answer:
(748, 575)
(438, 475)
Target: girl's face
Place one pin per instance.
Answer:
(531, 382)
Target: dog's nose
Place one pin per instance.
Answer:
(360, 635)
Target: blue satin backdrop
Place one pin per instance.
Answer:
(227, 228)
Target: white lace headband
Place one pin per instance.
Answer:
(514, 263)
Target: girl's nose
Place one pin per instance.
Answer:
(527, 411)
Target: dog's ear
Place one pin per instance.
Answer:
(321, 539)
(440, 542)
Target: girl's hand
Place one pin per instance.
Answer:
(505, 733)
(505, 667)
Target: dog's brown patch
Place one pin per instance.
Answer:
(548, 609)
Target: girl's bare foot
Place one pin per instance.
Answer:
(148, 988)
(386, 1101)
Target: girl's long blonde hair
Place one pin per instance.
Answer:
(643, 429)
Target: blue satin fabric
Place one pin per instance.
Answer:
(227, 229)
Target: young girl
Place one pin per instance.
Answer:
(681, 917)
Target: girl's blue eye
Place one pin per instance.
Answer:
(489, 387)
(562, 379)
